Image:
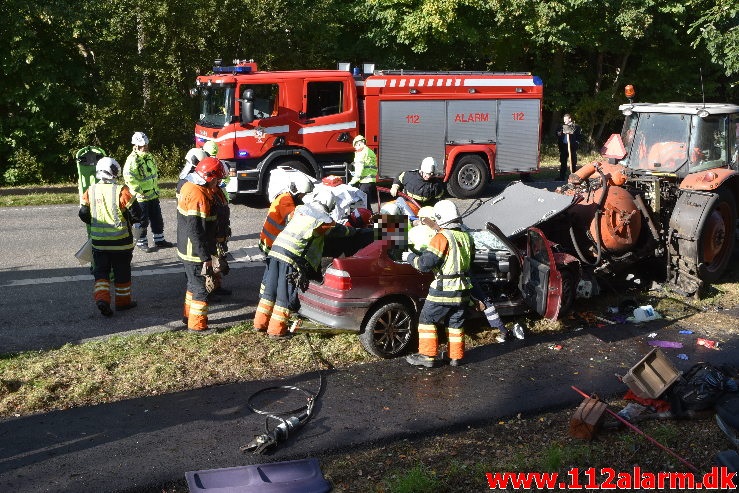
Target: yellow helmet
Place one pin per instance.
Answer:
(211, 147)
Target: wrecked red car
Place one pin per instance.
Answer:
(378, 296)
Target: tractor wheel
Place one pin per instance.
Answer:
(389, 330)
(469, 177)
(716, 238)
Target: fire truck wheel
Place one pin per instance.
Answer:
(717, 237)
(389, 330)
(469, 178)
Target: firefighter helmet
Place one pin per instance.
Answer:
(209, 169)
(107, 168)
(194, 156)
(300, 183)
(426, 211)
(140, 139)
(446, 215)
(357, 139)
(211, 147)
(324, 198)
(428, 165)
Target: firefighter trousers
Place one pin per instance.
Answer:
(119, 262)
(279, 298)
(196, 297)
(434, 315)
(151, 213)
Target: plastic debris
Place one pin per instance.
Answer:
(666, 344)
(707, 343)
(518, 331)
(555, 347)
(646, 313)
(652, 335)
(686, 332)
(632, 411)
(683, 356)
(612, 310)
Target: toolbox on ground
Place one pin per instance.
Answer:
(651, 376)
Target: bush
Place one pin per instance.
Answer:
(170, 160)
(24, 169)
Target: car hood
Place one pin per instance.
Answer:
(518, 207)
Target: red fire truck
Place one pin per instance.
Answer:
(478, 124)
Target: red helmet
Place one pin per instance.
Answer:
(209, 169)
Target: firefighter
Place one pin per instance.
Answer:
(211, 147)
(223, 233)
(196, 238)
(141, 176)
(365, 169)
(281, 208)
(295, 258)
(192, 158)
(110, 209)
(421, 184)
(449, 255)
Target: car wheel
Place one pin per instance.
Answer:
(569, 290)
(389, 330)
(469, 178)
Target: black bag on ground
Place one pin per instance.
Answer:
(700, 388)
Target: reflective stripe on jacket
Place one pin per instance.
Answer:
(303, 238)
(109, 229)
(365, 166)
(449, 255)
(196, 223)
(422, 191)
(140, 174)
(279, 213)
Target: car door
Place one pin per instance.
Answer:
(541, 281)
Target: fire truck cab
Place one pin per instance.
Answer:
(478, 124)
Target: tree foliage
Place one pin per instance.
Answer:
(95, 71)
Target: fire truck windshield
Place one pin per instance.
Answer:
(656, 141)
(216, 105)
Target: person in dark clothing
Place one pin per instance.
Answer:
(568, 140)
(421, 184)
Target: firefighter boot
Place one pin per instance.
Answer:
(104, 308)
(418, 359)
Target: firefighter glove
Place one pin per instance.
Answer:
(394, 190)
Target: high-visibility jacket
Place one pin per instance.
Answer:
(140, 174)
(109, 206)
(449, 256)
(196, 223)
(303, 238)
(423, 191)
(280, 210)
(365, 167)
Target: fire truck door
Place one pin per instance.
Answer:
(328, 118)
(518, 135)
(540, 282)
(409, 132)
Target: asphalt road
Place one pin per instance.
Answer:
(46, 294)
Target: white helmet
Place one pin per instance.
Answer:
(446, 215)
(324, 198)
(426, 211)
(107, 168)
(140, 139)
(428, 165)
(194, 156)
(300, 184)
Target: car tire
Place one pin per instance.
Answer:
(569, 291)
(390, 330)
